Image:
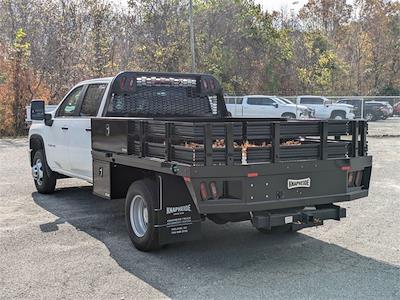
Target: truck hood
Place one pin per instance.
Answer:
(341, 105)
(301, 107)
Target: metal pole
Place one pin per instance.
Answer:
(192, 35)
(362, 108)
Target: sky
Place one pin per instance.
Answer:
(271, 5)
(287, 5)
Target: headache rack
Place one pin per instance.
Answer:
(229, 141)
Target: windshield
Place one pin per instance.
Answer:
(284, 100)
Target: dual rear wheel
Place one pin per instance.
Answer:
(140, 204)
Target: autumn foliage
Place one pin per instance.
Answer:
(329, 47)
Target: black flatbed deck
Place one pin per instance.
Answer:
(173, 133)
(334, 145)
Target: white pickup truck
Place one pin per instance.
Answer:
(325, 109)
(165, 143)
(259, 106)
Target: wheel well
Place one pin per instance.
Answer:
(289, 113)
(35, 144)
(123, 176)
(338, 113)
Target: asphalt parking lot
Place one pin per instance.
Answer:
(74, 245)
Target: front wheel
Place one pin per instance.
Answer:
(140, 217)
(370, 117)
(288, 116)
(338, 115)
(45, 180)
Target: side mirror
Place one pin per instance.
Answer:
(37, 110)
(48, 119)
(276, 105)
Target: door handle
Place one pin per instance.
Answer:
(88, 129)
(64, 128)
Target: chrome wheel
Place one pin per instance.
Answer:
(369, 117)
(37, 172)
(139, 215)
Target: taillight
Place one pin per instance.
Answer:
(205, 84)
(355, 178)
(203, 191)
(122, 83)
(214, 191)
(131, 84)
(212, 83)
(350, 179)
(359, 177)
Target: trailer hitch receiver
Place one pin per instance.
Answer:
(308, 217)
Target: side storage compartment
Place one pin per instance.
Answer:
(102, 178)
(111, 180)
(110, 135)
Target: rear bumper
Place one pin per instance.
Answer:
(234, 206)
(301, 219)
(270, 190)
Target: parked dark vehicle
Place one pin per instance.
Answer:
(396, 109)
(373, 110)
(165, 143)
(388, 109)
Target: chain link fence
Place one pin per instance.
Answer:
(383, 112)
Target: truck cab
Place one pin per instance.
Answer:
(325, 109)
(67, 142)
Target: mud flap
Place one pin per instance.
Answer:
(177, 216)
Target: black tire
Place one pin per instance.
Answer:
(288, 116)
(370, 117)
(145, 189)
(46, 180)
(338, 115)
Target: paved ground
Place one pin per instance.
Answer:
(389, 127)
(74, 245)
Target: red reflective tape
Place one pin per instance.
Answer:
(345, 168)
(187, 179)
(252, 174)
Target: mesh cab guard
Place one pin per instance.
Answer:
(150, 94)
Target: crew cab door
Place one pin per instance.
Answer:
(260, 107)
(56, 136)
(80, 146)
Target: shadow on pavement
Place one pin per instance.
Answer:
(230, 261)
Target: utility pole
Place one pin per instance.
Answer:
(192, 36)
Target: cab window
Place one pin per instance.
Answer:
(260, 101)
(306, 100)
(70, 104)
(91, 101)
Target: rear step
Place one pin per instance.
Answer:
(301, 219)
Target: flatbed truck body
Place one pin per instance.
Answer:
(165, 142)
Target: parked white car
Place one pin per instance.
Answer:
(325, 109)
(260, 106)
